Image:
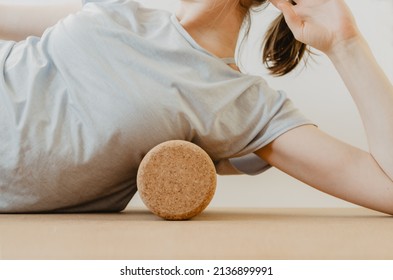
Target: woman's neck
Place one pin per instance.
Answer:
(213, 24)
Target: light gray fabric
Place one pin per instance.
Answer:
(82, 105)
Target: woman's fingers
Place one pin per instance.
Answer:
(277, 3)
(293, 20)
(280, 2)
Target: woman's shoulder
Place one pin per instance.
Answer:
(124, 14)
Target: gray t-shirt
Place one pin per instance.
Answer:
(81, 106)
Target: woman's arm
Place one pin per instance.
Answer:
(373, 94)
(19, 21)
(331, 166)
(364, 178)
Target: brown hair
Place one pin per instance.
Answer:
(281, 51)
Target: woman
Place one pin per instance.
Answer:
(81, 104)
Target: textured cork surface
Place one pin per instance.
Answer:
(176, 180)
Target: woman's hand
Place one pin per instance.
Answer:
(322, 24)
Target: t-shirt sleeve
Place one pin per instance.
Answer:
(249, 122)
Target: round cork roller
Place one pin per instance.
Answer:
(176, 180)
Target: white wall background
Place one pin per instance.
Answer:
(317, 90)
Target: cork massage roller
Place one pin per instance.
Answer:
(176, 180)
